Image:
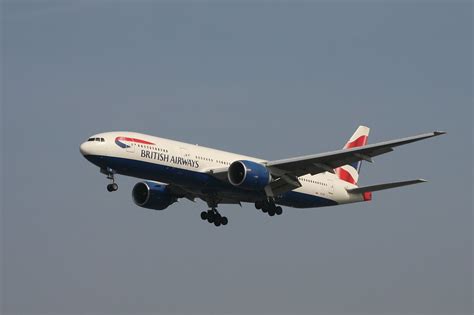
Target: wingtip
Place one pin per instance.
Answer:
(421, 180)
(439, 133)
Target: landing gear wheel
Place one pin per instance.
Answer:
(271, 212)
(210, 219)
(258, 205)
(278, 210)
(112, 187)
(110, 175)
(212, 215)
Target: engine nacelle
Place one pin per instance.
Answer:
(152, 196)
(248, 175)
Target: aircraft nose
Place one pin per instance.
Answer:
(85, 148)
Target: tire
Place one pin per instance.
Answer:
(110, 188)
(278, 210)
(224, 221)
(271, 213)
(217, 222)
(258, 205)
(210, 216)
(114, 187)
(204, 215)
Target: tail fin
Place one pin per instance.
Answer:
(350, 172)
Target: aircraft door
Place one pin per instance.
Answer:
(330, 186)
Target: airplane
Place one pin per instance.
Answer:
(174, 170)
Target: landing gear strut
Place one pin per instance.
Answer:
(110, 176)
(213, 216)
(269, 207)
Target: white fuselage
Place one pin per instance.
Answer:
(188, 166)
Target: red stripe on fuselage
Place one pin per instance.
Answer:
(134, 140)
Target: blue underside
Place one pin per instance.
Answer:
(204, 183)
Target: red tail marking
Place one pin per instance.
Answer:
(345, 175)
(361, 141)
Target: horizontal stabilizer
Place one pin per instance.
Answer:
(360, 190)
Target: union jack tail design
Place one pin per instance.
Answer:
(350, 172)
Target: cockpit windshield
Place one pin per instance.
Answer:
(96, 139)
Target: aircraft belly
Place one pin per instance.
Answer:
(203, 184)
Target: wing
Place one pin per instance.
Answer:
(327, 162)
(184, 192)
(180, 192)
(286, 172)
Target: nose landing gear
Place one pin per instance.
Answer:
(112, 187)
(110, 175)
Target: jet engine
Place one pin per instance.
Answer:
(152, 195)
(248, 175)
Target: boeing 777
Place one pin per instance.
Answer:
(174, 170)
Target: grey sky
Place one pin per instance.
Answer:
(270, 80)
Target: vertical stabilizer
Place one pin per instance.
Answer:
(350, 172)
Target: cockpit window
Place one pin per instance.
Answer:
(96, 139)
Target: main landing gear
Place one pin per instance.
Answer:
(110, 176)
(212, 215)
(269, 207)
